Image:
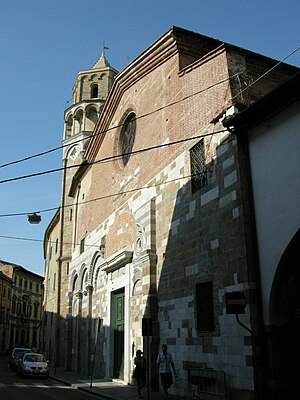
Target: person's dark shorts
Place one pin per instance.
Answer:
(166, 378)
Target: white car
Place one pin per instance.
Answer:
(17, 353)
(33, 364)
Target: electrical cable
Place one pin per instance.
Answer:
(130, 153)
(107, 159)
(267, 72)
(159, 109)
(120, 125)
(42, 241)
(154, 111)
(99, 198)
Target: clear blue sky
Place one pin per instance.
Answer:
(43, 45)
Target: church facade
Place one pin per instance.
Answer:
(155, 230)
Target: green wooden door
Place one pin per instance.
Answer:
(118, 327)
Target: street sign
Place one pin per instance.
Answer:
(235, 302)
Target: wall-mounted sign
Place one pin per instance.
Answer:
(235, 303)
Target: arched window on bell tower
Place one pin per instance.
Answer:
(94, 91)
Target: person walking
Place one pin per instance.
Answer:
(139, 373)
(165, 363)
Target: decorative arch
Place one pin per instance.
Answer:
(94, 268)
(285, 294)
(83, 276)
(117, 149)
(127, 136)
(137, 288)
(74, 150)
(72, 281)
(68, 125)
(91, 118)
(283, 335)
(78, 120)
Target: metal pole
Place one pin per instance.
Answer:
(148, 360)
(93, 355)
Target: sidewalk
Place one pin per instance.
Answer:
(105, 389)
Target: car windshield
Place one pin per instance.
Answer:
(34, 358)
(20, 353)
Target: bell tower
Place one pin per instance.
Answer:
(90, 90)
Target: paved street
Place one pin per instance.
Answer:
(64, 385)
(13, 387)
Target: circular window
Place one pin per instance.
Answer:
(127, 137)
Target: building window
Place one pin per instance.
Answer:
(13, 306)
(198, 166)
(20, 282)
(94, 91)
(54, 280)
(36, 309)
(127, 137)
(34, 337)
(82, 245)
(24, 308)
(205, 307)
(29, 310)
(56, 246)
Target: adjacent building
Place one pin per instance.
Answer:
(5, 302)
(268, 137)
(155, 229)
(26, 306)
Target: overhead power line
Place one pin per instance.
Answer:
(115, 127)
(267, 72)
(108, 159)
(30, 157)
(101, 197)
(119, 125)
(154, 111)
(42, 241)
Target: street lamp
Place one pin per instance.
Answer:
(34, 218)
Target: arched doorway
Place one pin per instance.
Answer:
(283, 337)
